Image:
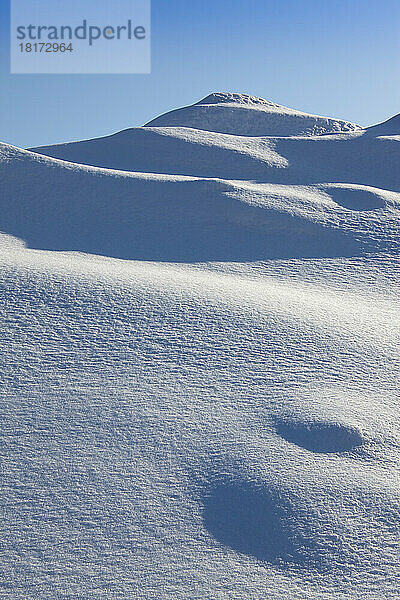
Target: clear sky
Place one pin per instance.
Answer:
(331, 57)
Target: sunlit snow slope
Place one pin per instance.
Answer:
(200, 339)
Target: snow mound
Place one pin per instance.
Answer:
(170, 145)
(175, 218)
(391, 127)
(175, 151)
(234, 98)
(241, 114)
(353, 158)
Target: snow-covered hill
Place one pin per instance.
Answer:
(200, 333)
(391, 127)
(240, 114)
(280, 148)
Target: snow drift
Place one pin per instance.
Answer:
(216, 414)
(183, 219)
(240, 114)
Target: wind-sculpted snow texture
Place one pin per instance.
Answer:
(199, 369)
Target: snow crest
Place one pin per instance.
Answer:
(241, 114)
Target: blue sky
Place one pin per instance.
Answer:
(336, 58)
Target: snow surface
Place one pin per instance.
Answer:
(200, 334)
